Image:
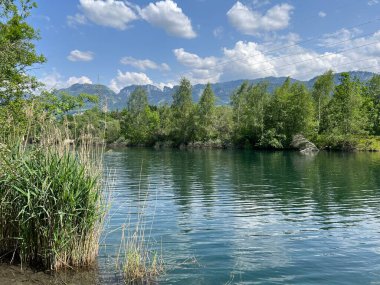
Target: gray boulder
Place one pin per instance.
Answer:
(300, 143)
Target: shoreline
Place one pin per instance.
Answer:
(207, 147)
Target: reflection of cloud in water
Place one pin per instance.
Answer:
(257, 245)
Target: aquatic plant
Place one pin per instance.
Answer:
(139, 264)
(139, 259)
(52, 205)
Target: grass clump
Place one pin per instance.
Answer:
(139, 264)
(51, 202)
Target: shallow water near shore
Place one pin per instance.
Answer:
(241, 217)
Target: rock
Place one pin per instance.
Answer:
(300, 143)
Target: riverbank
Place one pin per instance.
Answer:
(323, 143)
(349, 143)
(13, 274)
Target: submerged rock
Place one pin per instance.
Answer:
(300, 143)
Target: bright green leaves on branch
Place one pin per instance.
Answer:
(17, 51)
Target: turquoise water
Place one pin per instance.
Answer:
(246, 217)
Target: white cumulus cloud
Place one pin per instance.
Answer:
(109, 13)
(168, 16)
(77, 55)
(144, 64)
(81, 80)
(128, 78)
(54, 80)
(203, 70)
(251, 22)
(250, 60)
(322, 14)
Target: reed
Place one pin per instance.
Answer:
(137, 260)
(138, 263)
(51, 200)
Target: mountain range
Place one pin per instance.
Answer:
(156, 96)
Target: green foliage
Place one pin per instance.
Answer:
(257, 118)
(51, 207)
(206, 115)
(17, 51)
(101, 126)
(345, 113)
(165, 123)
(137, 101)
(62, 103)
(249, 104)
(372, 104)
(321, 92)
(289, 112)
(140, 121)
(183, 130)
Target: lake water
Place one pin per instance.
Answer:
(246, 217)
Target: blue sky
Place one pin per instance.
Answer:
(119, 43)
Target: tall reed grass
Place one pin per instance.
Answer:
(51, 201)
(138, 263)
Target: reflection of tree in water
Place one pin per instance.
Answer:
(345, 182)
(206, 162)
(137, 167)
(331, 181)
(328, 183)
(182, 167)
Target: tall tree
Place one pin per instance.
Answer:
(137, 101)
(290, 112)
(346, 113)
(17, 50)
(372, 101)
(141, 122)
(321, 92)
(206, 115)
(183, 113)
(249, 104)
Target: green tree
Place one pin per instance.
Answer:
(372, 103)
(321, 92)
(166, 123)
(140, 122)
(289, 112)
(183, 130)
(223, 123)
(206, 115)
(17, 51)
(345, 112)
(137, 101)
(58, 104)
(249, 104)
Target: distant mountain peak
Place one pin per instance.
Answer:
(223, 90)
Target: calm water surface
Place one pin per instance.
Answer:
(245, 217)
